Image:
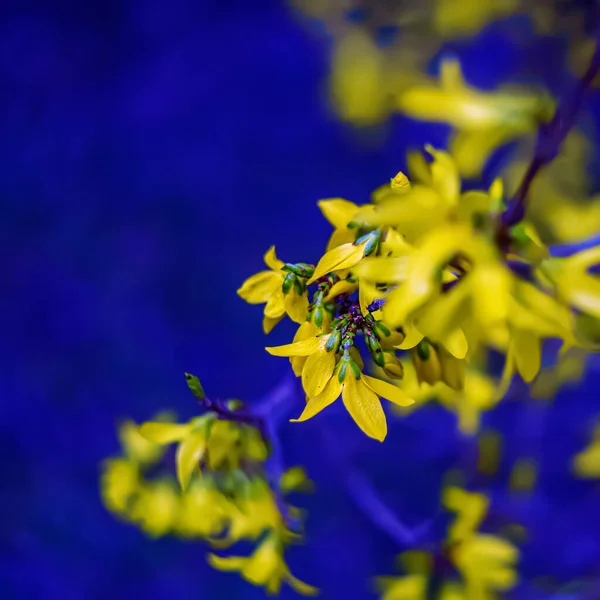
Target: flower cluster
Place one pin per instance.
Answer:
(433, 270)
(222, 493)
(468, 565)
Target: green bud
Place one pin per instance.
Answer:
(342, 370)
(288, 281)
(299, 269)
(298, 286)
(372, 242)
(317, 316)
(375, 350)
(423, 350)
(234, 404)
(380, 329)
(355, 369)
(195, 386)
(333, 343)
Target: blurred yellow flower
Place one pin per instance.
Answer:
(120, 480)
(586, 463)
(483, 120)
(155, 507)
(266, 567)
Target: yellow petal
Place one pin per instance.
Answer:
(456, 343)
(275, 306)
(305, 331)
(269, 323)
(296, 306)
(259, 288)
(318, 370)
(341, 257)
(302, 348)
(301, 587)
(189, 453)
(527, 353)
(367, 293)
(164, 433)
(227, 563)
(412, 337)
(388, 391)
(472, 149)
(444, 176)
(382, 269)
(341, 287)
(339, 237)
(337, 211)
(364, 407)
(272, 261)
(330, 394)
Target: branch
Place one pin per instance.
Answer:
(549, 140)
(371, 505)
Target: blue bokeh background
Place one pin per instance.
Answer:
(151, 151)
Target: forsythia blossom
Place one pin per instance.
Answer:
(484, 563)
(429, 269)
(223, 492)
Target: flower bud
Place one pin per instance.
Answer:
(334, 341)
(426, 362)
(288, 281)
(453, 370)
(392, 366)
(375, 349)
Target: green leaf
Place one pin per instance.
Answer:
(195, 386)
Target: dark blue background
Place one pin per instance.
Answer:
(150, 152)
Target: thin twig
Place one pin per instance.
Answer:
(371, 505)
(549, 140)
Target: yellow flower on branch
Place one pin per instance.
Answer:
(483, 120)
(266, 287)
(361, 396)
(266, 567)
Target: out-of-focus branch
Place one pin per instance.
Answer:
(549, 140)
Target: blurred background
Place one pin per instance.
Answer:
(151, 151)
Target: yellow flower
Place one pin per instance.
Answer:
(120, 480)
(486, 562)
(135, 446)
(155, 508)
(484, 120)
(586, 463)
(487, 565)
(339, 213)
(192, 438)
(339, 258)
(434, 364)
(479, 393)
(266, 287)
(571, 281)
(470, 508)
(319, 364)
(266, 567)
(203, 511)
(357, 82)
(257, 512)
(360, 395)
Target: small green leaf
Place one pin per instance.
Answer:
(195, 386)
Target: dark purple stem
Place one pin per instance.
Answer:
(549, 140)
